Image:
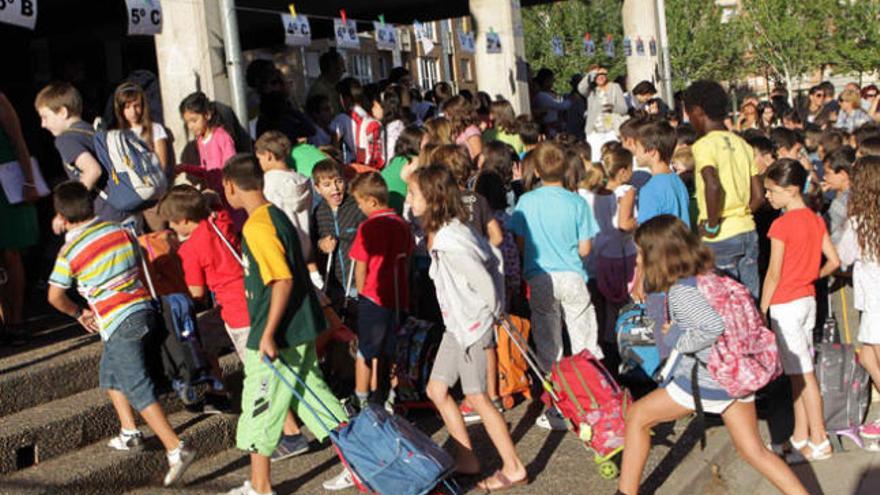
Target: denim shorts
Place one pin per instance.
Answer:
(376, 332)
(122, 364)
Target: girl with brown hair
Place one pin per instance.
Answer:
(463, 118)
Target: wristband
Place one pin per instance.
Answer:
(78, 313)
(712, 230)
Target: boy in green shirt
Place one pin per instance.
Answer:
(285, 320)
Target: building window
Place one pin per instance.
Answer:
(465, 67)
(429, 71)
(360, 67)
(384, 66)
(429, 31)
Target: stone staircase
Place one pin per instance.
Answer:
(55, 422)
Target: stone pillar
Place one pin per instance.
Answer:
(190, 57)
(501, 73)
(640, 21)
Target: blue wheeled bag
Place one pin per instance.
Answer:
(386, 453)
(635, 340)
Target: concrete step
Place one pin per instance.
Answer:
(96, 469)
(49, 373)
(55, 428)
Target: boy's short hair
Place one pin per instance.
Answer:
(644, 88)
(326, 169)
(58, 95)
(866, 131)
(831, 140)
(658, 136)
(273, 142)
(685, 135)
(709, 96)
(184, 202)
(244, 171)
(370, 185)
(841, 160)
(550, 161)
(529, 132)
(73, 201)
(685, 156)
(870, 146)
(762, 144)
(784, 138)
(629, 129)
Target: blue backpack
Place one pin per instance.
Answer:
(387, 453)
(635, 340)
(135, 179)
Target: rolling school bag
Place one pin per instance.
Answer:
(844, 384)
(583, 391)
(513, 369)
(386, 454)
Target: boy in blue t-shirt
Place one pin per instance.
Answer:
(664, 193)
(553, 227)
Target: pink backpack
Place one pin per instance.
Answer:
(745, 357)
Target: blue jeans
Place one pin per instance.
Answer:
(738, 258)
(122, 364)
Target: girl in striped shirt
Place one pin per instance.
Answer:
(670, 257)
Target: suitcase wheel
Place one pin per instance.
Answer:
(608, 470)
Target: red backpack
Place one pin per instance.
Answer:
(745, 357)
(591, 401)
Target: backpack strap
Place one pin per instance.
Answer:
(698, 403)
(226, 242)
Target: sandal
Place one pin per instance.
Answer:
(816, 453)
(506, 484)
(789, 446)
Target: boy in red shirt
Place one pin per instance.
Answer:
(210, 254)
(380, 250)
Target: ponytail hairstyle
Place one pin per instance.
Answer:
(787, 173)
(129, 92)
(199, 103)
(863, 205)
(442, 197)
(594, 177)
(615, 159)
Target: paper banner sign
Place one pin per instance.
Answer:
(653, 47)
(609, 46)
(557, 45)
(422, 37)
(144, 17)
(627, 47)
(346, 33)
(466, 40)
(493, 42)
(640, 47)
(386, 36)
(297, 31)
(589, 45)
(19, 12)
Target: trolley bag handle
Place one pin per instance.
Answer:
(397, 260)
(523, 347)
(226, 242)
(300, 396)
(144, 266)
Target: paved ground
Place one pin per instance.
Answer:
(557, 462)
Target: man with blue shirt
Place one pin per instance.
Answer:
(664, 193)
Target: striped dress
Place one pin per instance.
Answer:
(101, 258)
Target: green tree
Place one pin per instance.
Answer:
(787, 38)
(569, 20)
(703, 44)
(855, 42)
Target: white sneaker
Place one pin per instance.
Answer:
(127, 442)
(551, 420)
(178, 463)
(246, 489)
(341, 481)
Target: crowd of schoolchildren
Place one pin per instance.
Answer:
(453, 209)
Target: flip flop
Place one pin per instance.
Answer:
(506, 484)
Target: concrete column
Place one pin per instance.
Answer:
(501, 73)
(190, 56)
(640, 20)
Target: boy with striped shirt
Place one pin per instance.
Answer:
(102, 258)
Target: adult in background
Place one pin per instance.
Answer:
(332, 66)
(18, 223)
(548, 104)
(605, 100)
